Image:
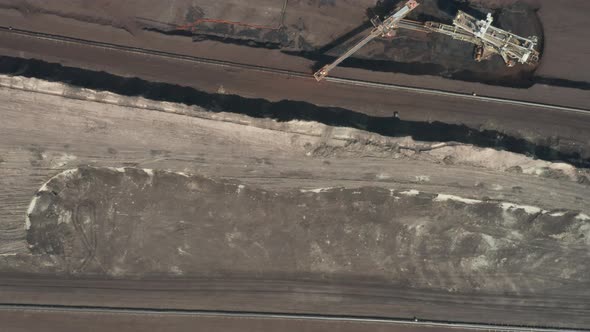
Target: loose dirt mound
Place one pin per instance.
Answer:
(133, 222)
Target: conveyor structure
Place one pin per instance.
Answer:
(488, 40)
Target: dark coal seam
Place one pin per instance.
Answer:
(219, 38)
(562, 82)
(286, 110)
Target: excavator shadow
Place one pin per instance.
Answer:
(381, 9)
(338, 42)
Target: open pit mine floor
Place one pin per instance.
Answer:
(117, 200)
(175, 165)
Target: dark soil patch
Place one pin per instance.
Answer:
(292, 110)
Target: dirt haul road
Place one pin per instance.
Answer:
(125, 321)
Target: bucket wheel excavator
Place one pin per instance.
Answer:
(383, 28)
(487, 39)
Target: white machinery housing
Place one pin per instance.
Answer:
(489, 39)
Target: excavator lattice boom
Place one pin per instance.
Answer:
(488, 40)
(381, 29)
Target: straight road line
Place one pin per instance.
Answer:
(293, 74)
(285, 316)
(387, 86)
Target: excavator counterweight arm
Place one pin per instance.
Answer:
(383, 29)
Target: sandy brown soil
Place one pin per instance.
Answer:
(266, 151)
(262, 210)
(138, 223)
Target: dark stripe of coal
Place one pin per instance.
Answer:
(287, 110)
